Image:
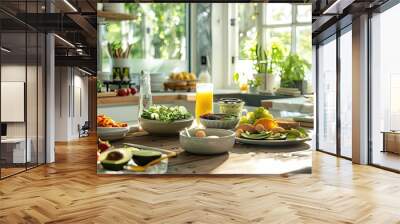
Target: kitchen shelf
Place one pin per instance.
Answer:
(115, 16)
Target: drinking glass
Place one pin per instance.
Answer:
(204, 99)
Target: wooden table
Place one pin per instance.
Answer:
(243, 159)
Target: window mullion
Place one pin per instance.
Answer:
(293, 29)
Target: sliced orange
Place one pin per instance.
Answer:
(267, 123)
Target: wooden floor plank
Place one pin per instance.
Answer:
(69, 191)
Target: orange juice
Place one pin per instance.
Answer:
(204, 99)
(244, 87)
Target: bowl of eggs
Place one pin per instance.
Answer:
(208, 141)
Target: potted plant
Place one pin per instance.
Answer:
(293, 70)
(266, 64)
(254, 84)
(120, 61)
(99, 85)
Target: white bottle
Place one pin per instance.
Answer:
(145, 100)
(204, 76)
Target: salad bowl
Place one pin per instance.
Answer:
(165, 120)
(164, 128)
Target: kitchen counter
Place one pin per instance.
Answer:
(110, 98)
(243, 159)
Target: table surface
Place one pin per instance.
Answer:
(243, 159)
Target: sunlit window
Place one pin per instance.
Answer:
(288, 25)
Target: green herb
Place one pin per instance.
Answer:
(166, 114)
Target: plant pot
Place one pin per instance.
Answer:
(269, 83)
(114, 7)
(253, 89)
(261, 77)
(300, 85)
(121, 69)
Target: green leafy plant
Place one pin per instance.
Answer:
(116, 50)
(99, 85)
(267, 61)
(256, 82)
(293, 69)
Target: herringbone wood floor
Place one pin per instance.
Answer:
(69, 191)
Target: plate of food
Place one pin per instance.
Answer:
(131, 160)
(164, 120)
(260, 128)
(108, 129)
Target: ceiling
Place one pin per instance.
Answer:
(73, 20)
(331, 15)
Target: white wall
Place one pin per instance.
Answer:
(71, 96)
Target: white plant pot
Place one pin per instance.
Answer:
(120, 64)
(269, 83)
(114, 7)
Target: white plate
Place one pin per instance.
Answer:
(111, 134)
(272, 142)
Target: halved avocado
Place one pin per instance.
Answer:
(115, 159)
(144, 157)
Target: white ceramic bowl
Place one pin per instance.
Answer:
(206, 145)
(164, 128)
(111, 134)
(220, 124)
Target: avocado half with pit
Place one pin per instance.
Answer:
(115, 159)
(143, 157)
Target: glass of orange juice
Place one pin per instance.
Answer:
(204, 99)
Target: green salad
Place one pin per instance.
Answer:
(165, 113)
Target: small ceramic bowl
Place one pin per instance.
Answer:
(207, 145)
(164, 128)
(219, 124)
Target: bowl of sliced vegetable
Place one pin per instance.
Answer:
(221, 121)
(164, 120)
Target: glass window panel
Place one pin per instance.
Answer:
(31, 98)
(159, 32)
(346, 94)
(304, 13)
(327, 97)
(303, 42)
(385, 86)
(13, 77)
(278, 13)
(247, 29)
(281, 36)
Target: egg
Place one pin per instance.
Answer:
(200, 134)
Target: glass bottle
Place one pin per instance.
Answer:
(145, 99)
(204, 76)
